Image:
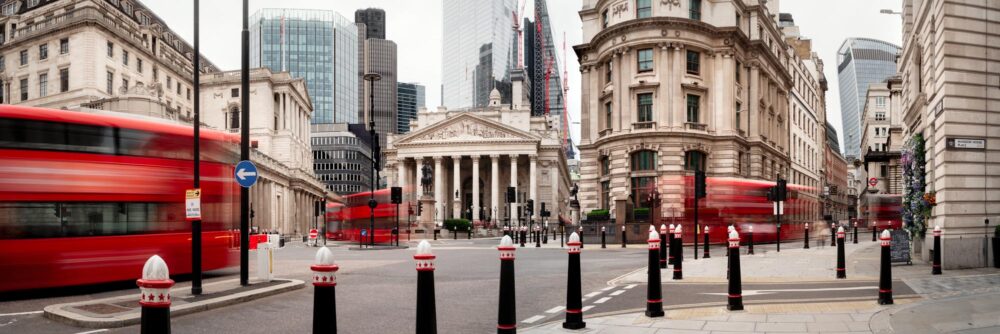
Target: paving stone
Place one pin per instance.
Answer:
(748, 317)
(680, 331)
(784, 327)
(833, 317)
(817, 327)
(743, 326)
(679, 324)
(861, 326)
(790, 318)
(862, 316)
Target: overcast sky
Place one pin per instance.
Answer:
(415, 26)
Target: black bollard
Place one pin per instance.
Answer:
(523, 235)
(581, 236)
(936, 266)
(545, 235)
(654, 295)
(750, 247)
(735, 280)
(574, 297)
(426, 309)
(325, 292)
(885, 274)
(663, 244)
(855, 232)
(506, 317)
(538, 237)
(678, 252)
(833, 234)
(841, 264)
(807, 236)
(623, 236)
(603, 237)
(670, 244)
(506, 231)
(874, 231)
(705, 254)
(154, 296)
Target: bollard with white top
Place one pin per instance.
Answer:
(506, 314)
(841, 263)
(678, 252)
(574, 294)
(603, 237)
(735, 281)
(670, 244)
(855, 232)
(706, 253)
(663, 245)
(936, 260)
(426, 309)
(154, 296)
(623, 236)
(750, 237)
(833, 234)
(581, 236)
(807, 236)
(885, 272)
(654, 295)
(325, 296)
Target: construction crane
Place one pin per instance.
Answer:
(520, 35)
(565, 95)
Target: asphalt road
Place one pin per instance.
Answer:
(376, 292)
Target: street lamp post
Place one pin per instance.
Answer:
(372, 78)
(196, 225)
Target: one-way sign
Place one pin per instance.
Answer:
(246, 173)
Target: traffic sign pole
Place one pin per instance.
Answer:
(244, 145)
(196, 224)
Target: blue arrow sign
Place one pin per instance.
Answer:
(245, 173)
(364, 232)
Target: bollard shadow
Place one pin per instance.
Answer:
(99, 288)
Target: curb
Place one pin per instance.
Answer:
(881, 321)
(58, 313)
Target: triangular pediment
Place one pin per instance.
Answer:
(467, 127)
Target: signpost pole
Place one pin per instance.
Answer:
(196, 224)
(244, 146)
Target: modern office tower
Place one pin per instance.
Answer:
(477, 51)
(410, 98)
(341, 157)
(374, 20)
(317, 45)
(860, 62)
(380, 57)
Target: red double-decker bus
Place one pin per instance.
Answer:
(346, 221)
(87, 198)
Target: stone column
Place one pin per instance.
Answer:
(676, 94)
(456, 171)
(438, 190)
(475, 188)
(401, 175)
(513, 183)
(554, 181)
(495, 184)
(533, 184)
(663, 117)
(753, 106)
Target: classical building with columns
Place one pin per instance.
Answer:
(671, 87)
(475, 154)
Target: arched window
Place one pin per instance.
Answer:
(643, 160)
(234, 117)
(642, 184)
(694, 160)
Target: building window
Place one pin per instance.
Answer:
(645, 58)
(604, 19)
(125, 57)
(156, 73)
(645, 108)
(64, 80)
(24, 57)
(64, 46)
(607, 115)
(605, 166)
(24, 89)
(739, 163)
(234, 118)
(693, 62)
(189, 99)
(739, 19)
(879, 116)
(608, 70)
(695, 10)
(643, 8)
(644, 160)
(235, 92)
(111, 50)
(738, 106)
(693, 103)
(880, 101)
(43, 84)
(111, 82)
(884, 170)
(32, 3)
(641, 187)
(738, 80)
(178, 87)
(125, 84)
(606, 195)
(694, 161)
(138, 64)
(43, 52)
(170, 82)
(3, 63)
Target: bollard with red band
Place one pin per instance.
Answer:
(426, 308)
(154, 296)
(325, 296)
(506, 317)
(678, 252)
(874, 230)
(538, 236)
(654, 295)
(623, 235)
(523, 235)
(806, 236)
(855, 232)
(735, 280)
(705, 254)
(936, 261)
(730, 228)
(833, 234)
(581, 235)
(574, 294)
(663, 243)
(670, 245)
(750, 246)
(603, 236)
(885, 272)
(841, 263)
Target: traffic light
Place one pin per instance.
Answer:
(699, 184)
(782, 190)
(511, 195)
(542, 211)
(770, 194)
(397, 195)
(531, 207)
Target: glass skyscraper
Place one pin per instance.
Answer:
(410, 99)
(477, 51)
(319, 46)
(860, 62)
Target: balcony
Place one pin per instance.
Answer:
(604, 132)
(651, 125)
(695, 126)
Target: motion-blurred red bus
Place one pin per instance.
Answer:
(346, 222)
(87, 198)
(882, 211)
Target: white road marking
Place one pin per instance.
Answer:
(617, 292)
(587, 308)
(630, 286)
(555, 309)
(533, 319)
(607, 288)
(19, 313)
(768, 292)
(602, 300)
(593, 294)
(93, 331)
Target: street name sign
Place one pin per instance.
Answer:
(965, 143)
(245, 173)
(192, 204)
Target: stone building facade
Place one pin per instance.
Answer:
(475, 154)
(670, 87)
(949, 68)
